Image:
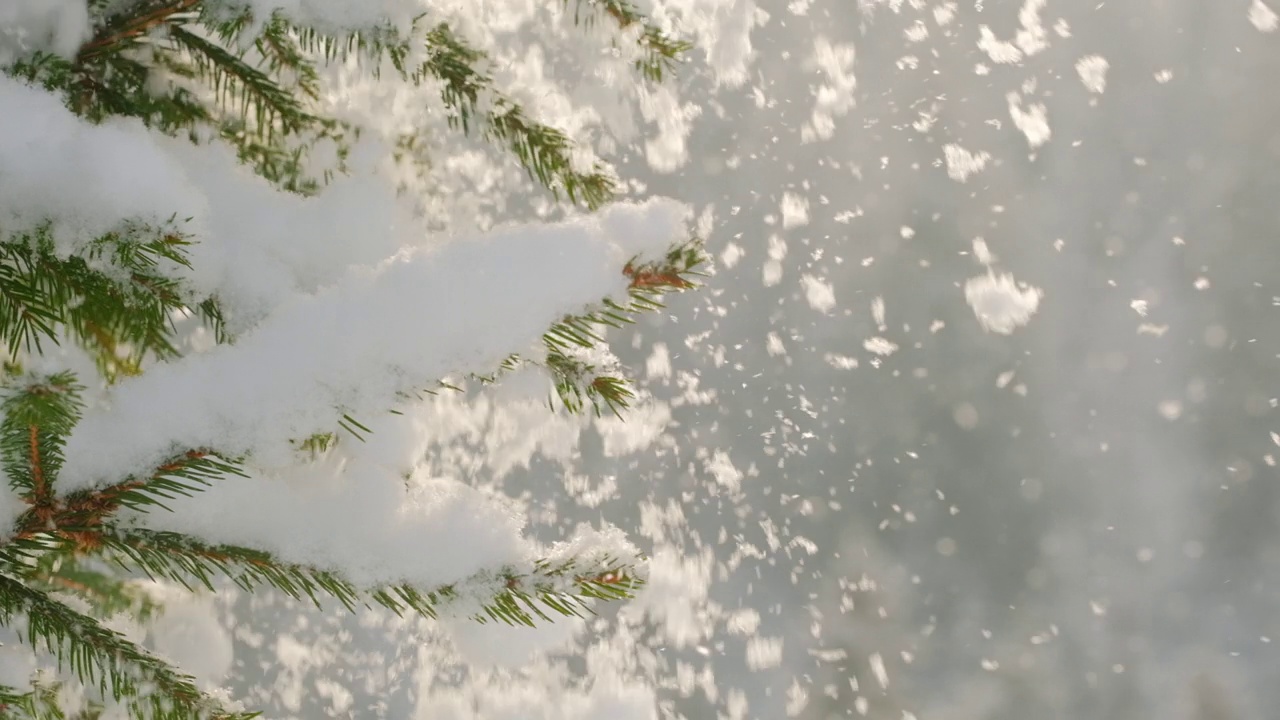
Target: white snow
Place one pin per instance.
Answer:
(1031, 121)
(341, 302)
(1093, 72)
(288, 378)
(819, 293)
(731, 254)
(1263, 17)
(795, 210)
(961, 163)
(835, 97)
(880, 346)
(999, 51)
(57, 26)
(1000, 303)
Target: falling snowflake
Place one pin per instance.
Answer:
(1001, 304)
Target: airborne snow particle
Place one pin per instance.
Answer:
(1000, 304)
(819, 293)
(982, 252)
(764, 652)
(1000, 52)
(877, 668)
(795, 210)
(880, 346)
(841, 362)
(731, 255)
(1263, 17)
(1093, 72)
(1033, 121)
(961, 163)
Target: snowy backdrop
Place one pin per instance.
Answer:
(975, 418)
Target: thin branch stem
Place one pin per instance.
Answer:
(134, 27)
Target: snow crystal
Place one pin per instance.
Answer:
(731, 255)
(981, 252)
(1000, 52)
(818, 292)
(880, 346)
(835, 97)
(841, 362)
(1031, 38)
(1000, 303)
(676, 585)
(1032, 121)
(1263, 17)
(795, 210)
(722, 29)
(961, 163)
(722, 469)
(774, 345)
(943, 14)
(1093, 72)
(763, 652)
(772, 269)
(659, 363)
(878, 669)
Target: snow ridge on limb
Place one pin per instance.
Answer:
(164, 159)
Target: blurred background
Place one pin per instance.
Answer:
(1076, 519)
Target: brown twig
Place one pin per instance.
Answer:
(132, 28)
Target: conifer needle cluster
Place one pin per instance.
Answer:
(214, 72)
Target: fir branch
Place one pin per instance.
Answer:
(236, 83)
(106, 594)
(507, 596)
(38, 703)
(38, 415)
(182, 475)
(649, 282)
(662, 52)
(113, 295)
(27, 312)
(136, 20)
(102, 658)
(544, 151)
(578, 385)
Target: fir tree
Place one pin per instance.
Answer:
(206, 73)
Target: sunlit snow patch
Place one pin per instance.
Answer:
(961, 163)
(1263, 17)
(1001, 304)
(880, 346)
(795, 210)
(1032, 121)
(1093, 72)
(818, 293)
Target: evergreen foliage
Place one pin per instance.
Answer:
(212, 72)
